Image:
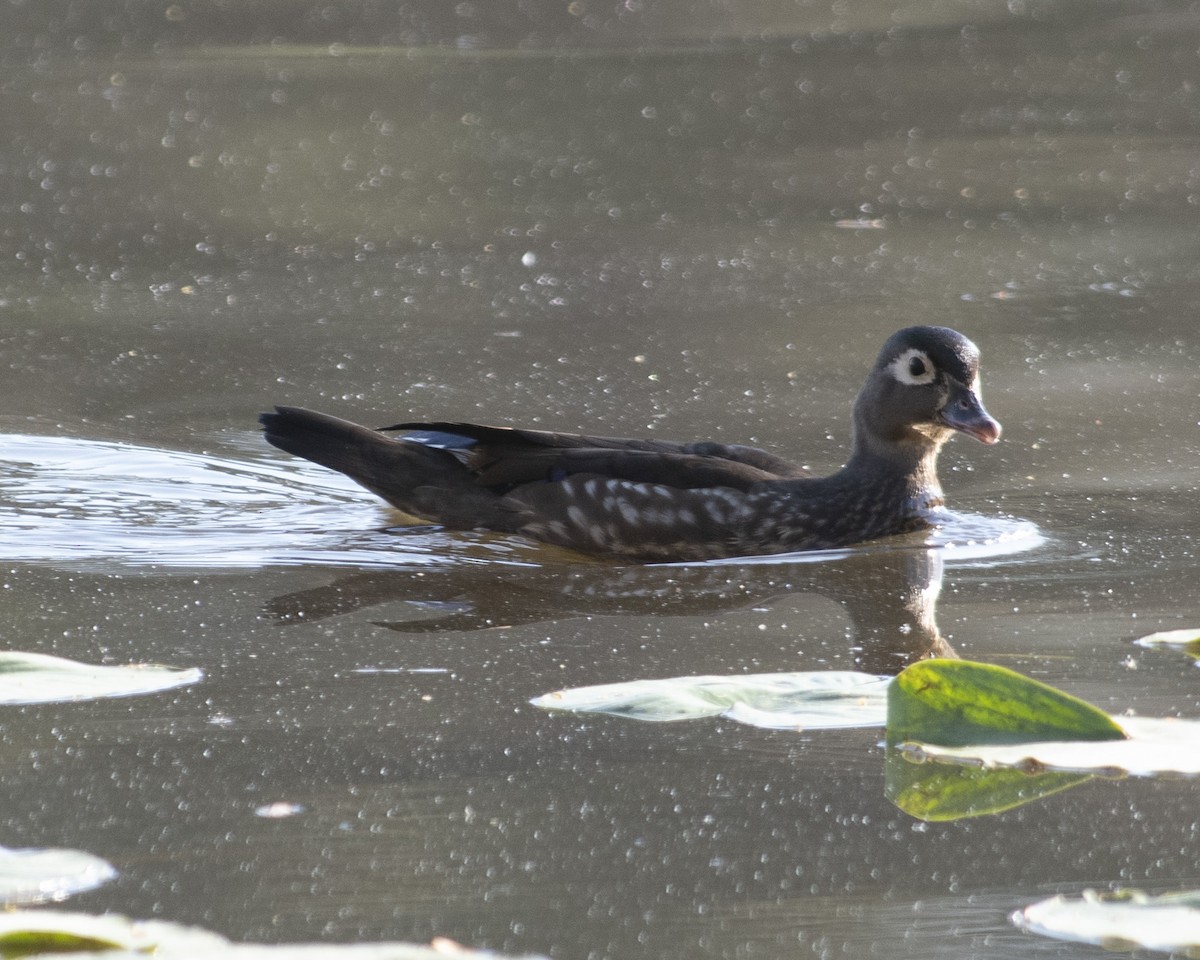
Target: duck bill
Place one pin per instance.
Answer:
(964, 412)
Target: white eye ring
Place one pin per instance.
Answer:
(913, 368)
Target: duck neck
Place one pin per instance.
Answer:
(908, 465)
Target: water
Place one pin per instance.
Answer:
(689, 222)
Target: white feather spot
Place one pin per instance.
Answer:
(730, 498)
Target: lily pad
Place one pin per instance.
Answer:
(36, 933)
(1187, 641)
(958, 702)
(40, 678)
(1155, 748)
(1127, 920)
(39, 876)
(1170, 637)
(31, 933)
(812, 700)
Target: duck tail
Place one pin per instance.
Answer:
(423, 481)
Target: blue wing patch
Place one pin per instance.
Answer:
(440, 439)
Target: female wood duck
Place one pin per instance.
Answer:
(654, 500)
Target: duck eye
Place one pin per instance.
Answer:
(913, 368)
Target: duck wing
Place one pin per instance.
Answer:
(503, 458)
(636, 499)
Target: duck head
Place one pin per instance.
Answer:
(923, 389)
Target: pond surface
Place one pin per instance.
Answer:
(686, 221)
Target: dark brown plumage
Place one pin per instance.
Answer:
(658, 500)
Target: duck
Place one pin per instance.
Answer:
(650, 500)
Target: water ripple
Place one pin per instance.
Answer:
(71, 502)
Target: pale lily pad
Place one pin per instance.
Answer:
(32, 933)
(1186, 641)
(1154, 748)
(1170, 638)
(39, 876)
(1129, 920)
(814, 700)
(36, 933)
(40, 678)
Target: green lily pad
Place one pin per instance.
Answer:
(811, 700)
(1126, 920)
(40, 678)
(958, 702)
(36, 933)
(39, 876)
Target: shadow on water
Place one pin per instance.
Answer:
(889, 597)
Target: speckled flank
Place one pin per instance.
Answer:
(653, 521)
(634, 519)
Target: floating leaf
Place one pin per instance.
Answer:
(823, 699)
(1155, 747)
(939, 791)
(27, 933)
(957, 702)
(30, 933)
(39, 678)
(1170, 637)
(1126, 920)
(38, 876)
(1187, 641)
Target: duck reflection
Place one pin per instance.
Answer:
(889, 596)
